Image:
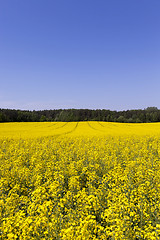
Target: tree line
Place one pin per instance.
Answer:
(150, 114)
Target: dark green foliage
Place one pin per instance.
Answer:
(150, 114)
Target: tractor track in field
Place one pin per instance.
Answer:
(94, 128)
(101, 124)
(52, 125)
(70, 131)
(110, 125)
(62, 125)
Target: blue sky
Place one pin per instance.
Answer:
(97, 54)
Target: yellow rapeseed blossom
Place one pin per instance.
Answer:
(85, 180)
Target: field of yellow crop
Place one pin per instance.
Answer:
(80, 181)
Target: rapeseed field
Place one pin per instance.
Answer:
(80, 181)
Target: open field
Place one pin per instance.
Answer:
(85, 180)
(32, 130)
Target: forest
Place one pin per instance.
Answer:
(149, 114)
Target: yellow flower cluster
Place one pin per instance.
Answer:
(79, 181)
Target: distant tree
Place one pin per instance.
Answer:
(148, 117)
(1, 117)
(130, 120)
(138, 120)
(151, 109)
(142, 117)
(150, 114)
(121, 119)
(43, 118)
(154, 116)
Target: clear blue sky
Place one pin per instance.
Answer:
(93, 54)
